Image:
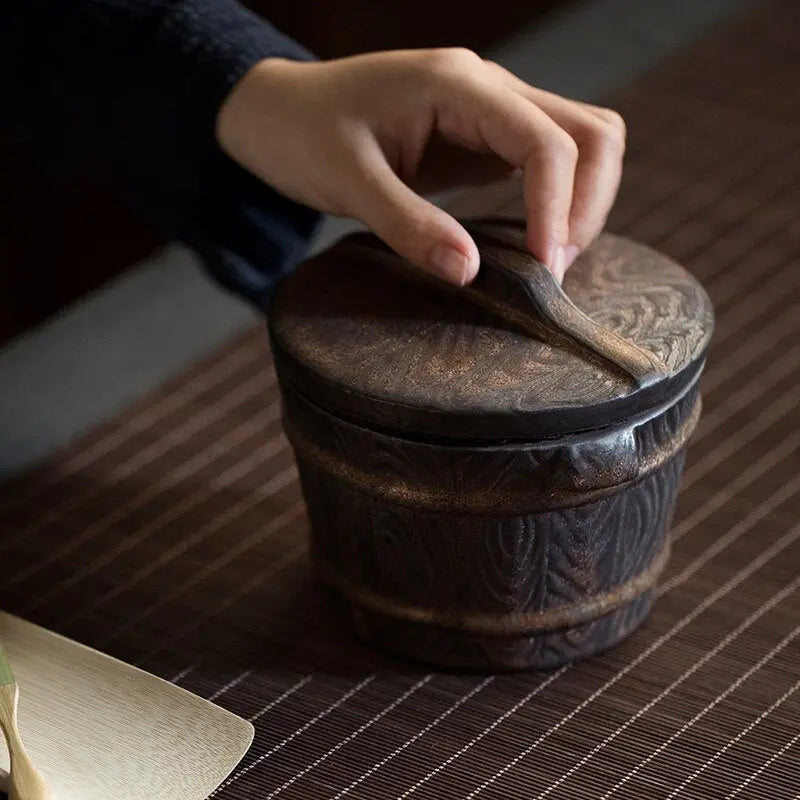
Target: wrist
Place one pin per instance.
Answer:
(259, 96)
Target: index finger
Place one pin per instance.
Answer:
(480, 112)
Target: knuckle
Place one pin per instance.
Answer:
(562, 147)
(451, 61)
(611, 132)
(614, 120)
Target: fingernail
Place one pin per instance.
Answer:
(557, 267)
(450, 264)
(570, 254)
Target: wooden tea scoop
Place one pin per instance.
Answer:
(24, 782)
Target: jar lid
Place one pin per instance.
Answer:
(360, 333)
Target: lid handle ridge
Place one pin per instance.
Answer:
(521, 290)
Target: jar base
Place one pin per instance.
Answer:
(458, 651)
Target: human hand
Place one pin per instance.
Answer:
(361, 136)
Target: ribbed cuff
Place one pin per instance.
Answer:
(248, 234)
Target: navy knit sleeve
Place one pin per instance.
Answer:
(128, 90)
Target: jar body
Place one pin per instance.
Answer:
(491, 556)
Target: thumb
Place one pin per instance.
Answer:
(412, 226)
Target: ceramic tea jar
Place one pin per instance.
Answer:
(490, 472)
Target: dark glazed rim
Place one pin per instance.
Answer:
(616, 473)
(430, 425)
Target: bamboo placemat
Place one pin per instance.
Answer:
(174, 537)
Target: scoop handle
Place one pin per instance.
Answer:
(523, 292)
(24, 781)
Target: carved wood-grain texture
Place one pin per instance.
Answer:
(501, 587)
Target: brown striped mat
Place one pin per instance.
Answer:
(174, 537)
